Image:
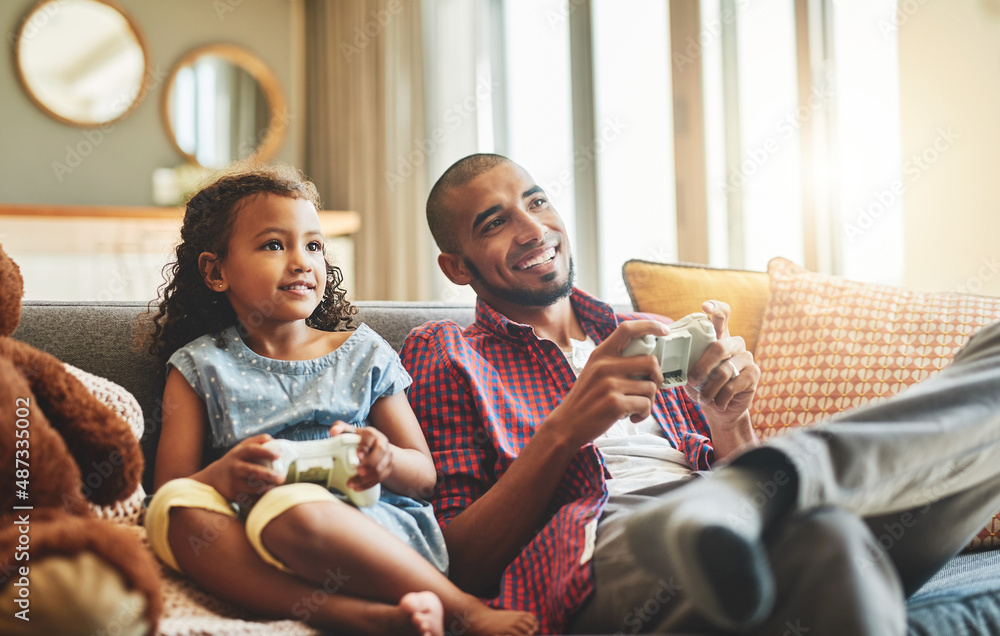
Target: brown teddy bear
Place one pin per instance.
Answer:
(63, 570)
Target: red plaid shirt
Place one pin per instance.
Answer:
(480, 394)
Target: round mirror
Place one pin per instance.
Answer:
(81, 61)
(222, 104)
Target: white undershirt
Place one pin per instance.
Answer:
(637, 455)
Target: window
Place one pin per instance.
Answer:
(633, 146)
(800, 140)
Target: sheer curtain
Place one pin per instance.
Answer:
(365, 137)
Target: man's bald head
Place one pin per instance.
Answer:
(439, 217)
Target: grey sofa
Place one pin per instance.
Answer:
(963, 599)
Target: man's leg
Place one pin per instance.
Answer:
(831, 578)
(822, 584)
(920, 541)
(629, 598)
(937, 441)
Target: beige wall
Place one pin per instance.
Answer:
(950, 95)
(119, 169)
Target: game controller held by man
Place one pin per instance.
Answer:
(677, 351)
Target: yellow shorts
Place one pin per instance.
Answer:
(190, 493)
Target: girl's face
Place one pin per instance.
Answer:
(275, 271)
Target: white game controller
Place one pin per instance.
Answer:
(678, 350)
(328, 462)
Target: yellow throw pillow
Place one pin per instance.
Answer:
(676, 290)
(827, 344)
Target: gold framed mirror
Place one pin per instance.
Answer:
(222, 103)
(82, 62)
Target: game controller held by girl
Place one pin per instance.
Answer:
(328, 462)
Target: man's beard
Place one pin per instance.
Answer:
(528, 297)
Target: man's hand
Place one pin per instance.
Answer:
(611, 387)
(724, 381)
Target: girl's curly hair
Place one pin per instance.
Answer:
(187, 308)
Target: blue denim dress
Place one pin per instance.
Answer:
(247, 394)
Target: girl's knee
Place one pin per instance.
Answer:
(305, 527)
(194, 531)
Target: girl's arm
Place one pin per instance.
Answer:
(236, 474)
(398, 457)
(182, 432)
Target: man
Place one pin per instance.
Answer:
(565, 478)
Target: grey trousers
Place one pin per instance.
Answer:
(885, 495)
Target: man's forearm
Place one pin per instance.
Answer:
(484, 538)
(734, 438)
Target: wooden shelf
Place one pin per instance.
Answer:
(100, 252)
(332, 222)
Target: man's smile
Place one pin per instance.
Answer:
(536, 259)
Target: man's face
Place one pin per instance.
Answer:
(512, 243)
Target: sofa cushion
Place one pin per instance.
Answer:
(963, 599)
(828, 343)
(676, 290)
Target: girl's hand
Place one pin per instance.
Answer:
(240, 475)
(374, 454)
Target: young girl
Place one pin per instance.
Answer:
(252, 329)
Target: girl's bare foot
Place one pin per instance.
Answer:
(487, 621)
(425, 613)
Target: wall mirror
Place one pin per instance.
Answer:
(223, 103)
(83, 62)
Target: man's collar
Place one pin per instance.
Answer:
(587, 308)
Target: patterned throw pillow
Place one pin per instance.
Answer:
(827, 344)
